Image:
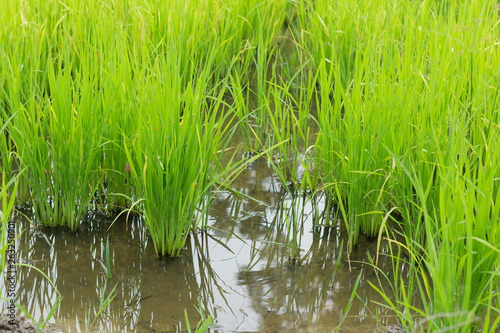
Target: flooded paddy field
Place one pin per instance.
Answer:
(239, 271)
(250, 166)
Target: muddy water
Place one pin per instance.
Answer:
(240, 271)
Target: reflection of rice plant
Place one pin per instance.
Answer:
(289, 219)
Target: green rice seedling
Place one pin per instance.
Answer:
(365, 168)
(240, 28)
(121, 123)
(403, 280)
(260, 122)
(5, 241)
(263, 60)
(204, 323)
(104, 303)
(402, 290)
(331, 31)
(283, 122)
(57, 139)
(242, 104)
(349, 303)
(362, 112)
(458, 262)
(464, 241)
(6, 159)
(350, 143)
(11, 90)
(53, 88)
(201, 327)
(446, 87)
(329, 119)
(336, 266)
(106, 263)
(172, 158)
(7, 197)
(289, 121)
(457, 268)
(293, 218)
(264, 21)
(251, 107)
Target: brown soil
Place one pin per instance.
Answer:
(23, 325)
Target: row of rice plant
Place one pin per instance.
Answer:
(406, 78)
(408, 117)
(455, 268)
(117, 105)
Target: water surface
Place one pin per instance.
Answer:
(240, 271)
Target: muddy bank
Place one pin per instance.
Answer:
(23, 325)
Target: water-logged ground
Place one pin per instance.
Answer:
(239, 271)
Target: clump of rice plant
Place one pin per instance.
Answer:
(57, 139)
(455, 271)
(172, 158)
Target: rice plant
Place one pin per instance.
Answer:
(171, 158)
(57, 138)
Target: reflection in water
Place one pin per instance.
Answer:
(298, 294)
(242, 271)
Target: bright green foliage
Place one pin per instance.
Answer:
(57, 137)
(408, 115)
(107, 94)
(171, 156)
(387, 107)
